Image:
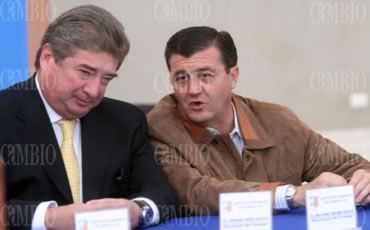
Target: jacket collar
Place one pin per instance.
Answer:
(34, 128)
(254, 135)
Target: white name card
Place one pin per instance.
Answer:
(112, 219)
(331, 208)
(246, 210)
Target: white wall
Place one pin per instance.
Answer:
(353, 140)
(307, 54)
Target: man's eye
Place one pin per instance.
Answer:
(106, 80)
(85, 72)
(181, 78)
(205, 75)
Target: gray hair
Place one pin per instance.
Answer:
(86, 27)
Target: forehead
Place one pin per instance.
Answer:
(96, 59)
(209, 57)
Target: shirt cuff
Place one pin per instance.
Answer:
(280, 199)
(153, 206)
(38, 221)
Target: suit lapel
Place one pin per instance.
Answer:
(36, 129)
(97, 150)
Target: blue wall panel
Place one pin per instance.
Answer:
(13, 42)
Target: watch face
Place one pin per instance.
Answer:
(147, 213)
(290, 191)
(146, 217)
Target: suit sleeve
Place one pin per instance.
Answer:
(148, 179)
(20, 213)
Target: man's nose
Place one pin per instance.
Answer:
(195, 86)
(92, 87)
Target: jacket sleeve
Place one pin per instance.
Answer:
(199, 194)
(323, 155)
(20, 213)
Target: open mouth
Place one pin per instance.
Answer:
(197, 105)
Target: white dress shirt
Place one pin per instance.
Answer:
(38, 221)
(237, 138)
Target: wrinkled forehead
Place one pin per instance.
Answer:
(98, 61)
(208, 58)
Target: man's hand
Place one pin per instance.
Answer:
(325, 179)
(63, 217)
(133, 208)
(361, 184)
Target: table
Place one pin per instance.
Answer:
(292, 220)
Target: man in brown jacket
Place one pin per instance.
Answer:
(210, 141)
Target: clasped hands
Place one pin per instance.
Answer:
(360, 181)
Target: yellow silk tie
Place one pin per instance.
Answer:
(70, 158)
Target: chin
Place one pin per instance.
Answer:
(198, 119)
(82, 113)
(78, 113)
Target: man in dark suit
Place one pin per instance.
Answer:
(67, 148)
(2, 195)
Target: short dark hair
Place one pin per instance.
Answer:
(190, 40)
(86, 27)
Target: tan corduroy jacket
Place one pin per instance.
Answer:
(279, 148)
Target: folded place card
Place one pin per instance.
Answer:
(331, 208)
(246, 210)
(112, 219)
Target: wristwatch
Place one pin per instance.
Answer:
(146, 213)
(289, 195)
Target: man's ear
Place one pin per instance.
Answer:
(46, 56)
(234, 75)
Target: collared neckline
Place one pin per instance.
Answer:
(236, 129)
(252, 131)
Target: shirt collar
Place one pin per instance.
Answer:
(236, 125)
(53, 116)
(250, 127)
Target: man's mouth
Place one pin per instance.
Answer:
(82, 102)
(197, 105)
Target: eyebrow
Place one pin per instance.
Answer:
(207, 68)
(94, 70)
(179, 72)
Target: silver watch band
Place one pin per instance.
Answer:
(289, 195)
(146, 213)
